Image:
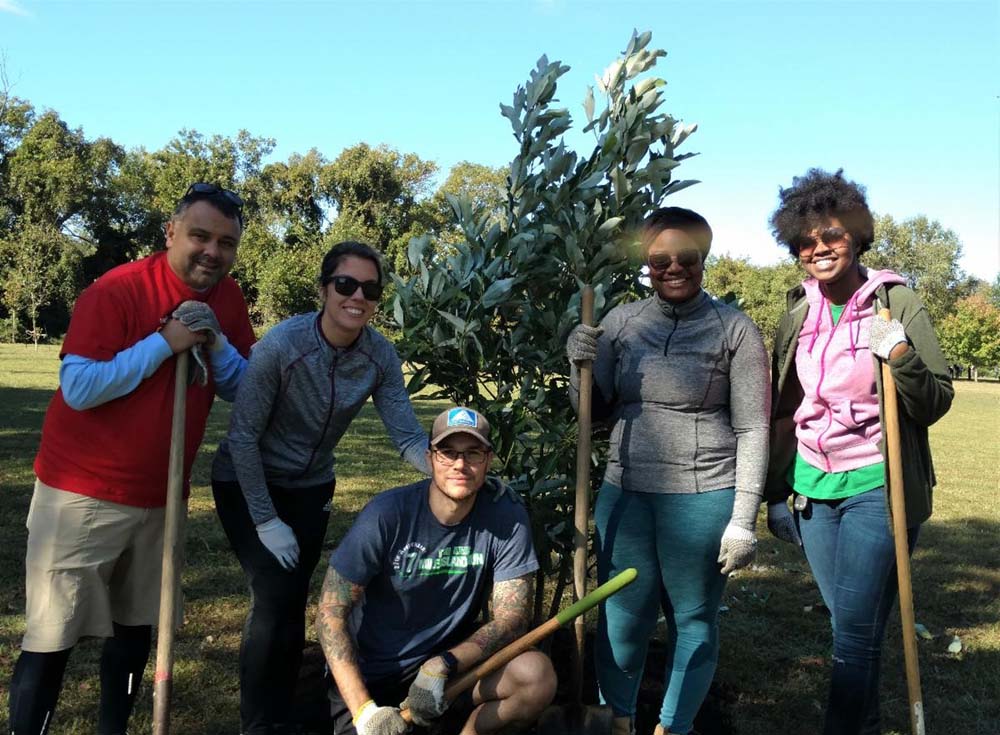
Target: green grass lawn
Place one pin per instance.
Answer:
(775, 654)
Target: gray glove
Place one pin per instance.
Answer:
(425, 699)
(375, 720)
(737, 548)
(498, 488)
(199, 317)
(581, 344)
(884, 335)
(781, 524)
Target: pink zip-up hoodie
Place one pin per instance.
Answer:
(837, 424)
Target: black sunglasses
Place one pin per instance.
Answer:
(348, 285)
(685, 259)
(210, 190)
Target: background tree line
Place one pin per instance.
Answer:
(72, 207)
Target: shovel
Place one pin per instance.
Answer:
(581, 506)
(898, 507)
(533, 637)
(172, 540)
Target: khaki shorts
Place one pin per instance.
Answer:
(89, 562)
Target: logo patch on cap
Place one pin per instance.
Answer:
(462, 417)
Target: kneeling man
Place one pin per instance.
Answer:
(399, 610)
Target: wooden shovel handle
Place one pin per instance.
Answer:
(581, 506)
(533, 637)
(897, 506)
(173, 525)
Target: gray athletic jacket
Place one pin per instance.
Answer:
(685, 388)
(296, 400)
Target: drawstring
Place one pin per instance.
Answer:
(852, 304)
(854, 330)
(819, 320)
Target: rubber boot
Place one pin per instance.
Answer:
(622, 726)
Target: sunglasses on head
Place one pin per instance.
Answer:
(832, 237)
(348, 286)
(685, 259)
(209, 190)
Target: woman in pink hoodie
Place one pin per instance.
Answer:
(827, 426)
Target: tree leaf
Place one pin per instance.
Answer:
(459, 324)
(609, 224)
(497, 292)
(397, 312)
(415, 250)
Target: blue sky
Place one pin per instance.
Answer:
(905, 96)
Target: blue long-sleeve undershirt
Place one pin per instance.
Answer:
(87, 383)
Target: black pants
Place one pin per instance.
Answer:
(37, 680)
(274, 633)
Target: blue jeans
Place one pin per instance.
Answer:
(850, 550)
(673, 541)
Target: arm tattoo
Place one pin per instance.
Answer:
(511, 615)
(337, 599)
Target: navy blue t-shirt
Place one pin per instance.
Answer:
(425, 582)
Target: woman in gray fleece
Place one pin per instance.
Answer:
(273, 475)
(683, 381)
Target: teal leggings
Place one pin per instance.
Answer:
(673, 541)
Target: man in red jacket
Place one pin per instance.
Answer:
(95, 525)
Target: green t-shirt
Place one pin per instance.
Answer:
(819, 485)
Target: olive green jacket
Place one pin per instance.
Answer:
(922, 384)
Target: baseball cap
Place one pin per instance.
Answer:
(461, 420)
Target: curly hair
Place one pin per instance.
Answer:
(815, 197)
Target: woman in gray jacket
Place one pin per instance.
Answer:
(273, 476)
(683, 381)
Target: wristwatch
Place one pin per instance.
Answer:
(450, 662)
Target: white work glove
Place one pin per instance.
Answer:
(375, 720)
(278, 538)
(199, 317)
(425, 699)
(581, 344)
(781, 524)
(884, 335)
(737, 548)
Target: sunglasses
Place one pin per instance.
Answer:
(471, 456)
(210, 190)
(348, 286)
(832, 237)
(685, 259)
